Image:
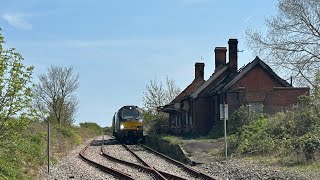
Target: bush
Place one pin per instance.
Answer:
(107, 130)
(218, 131)
(254, 138)
(310, 143)
(284, 133)
(156, 124)
(290, 132)
(21, 154)
(23, 150)
(93, 126)
(70, 133)
(240, 118)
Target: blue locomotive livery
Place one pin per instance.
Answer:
(127, 124)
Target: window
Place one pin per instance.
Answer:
(130, 114)
(173, 120)
(257, 107)
(190, 123)
(177, 121)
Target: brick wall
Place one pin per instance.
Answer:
(202, 115)
(282, 98)
(257, 79)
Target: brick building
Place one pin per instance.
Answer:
(196, 108)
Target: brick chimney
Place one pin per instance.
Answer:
(220, 57)
(199, 71)
(233, 55)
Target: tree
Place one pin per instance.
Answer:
(54, 95)
(308, 121)
(172, 90)
(292, 42)
(15, 89)
(156, 96)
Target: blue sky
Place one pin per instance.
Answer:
(118, 46)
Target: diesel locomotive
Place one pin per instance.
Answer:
(127, 124)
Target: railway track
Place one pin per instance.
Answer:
(185, 170)
(145, 166)
(141, 163)
(109, 170)
(192, 171)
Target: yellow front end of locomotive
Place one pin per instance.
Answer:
(131, 125)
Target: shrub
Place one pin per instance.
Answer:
(93, 126)
(253, 138)
(156, 124)
(21, 153)
(70, 133)
(310, 143)
(107, 130)
(282, 125)
(240, 118)
(218, 131)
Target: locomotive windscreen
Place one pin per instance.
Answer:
(130, 114)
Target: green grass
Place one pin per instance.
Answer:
(216, 152)
(289, 163)
(23, 158)
(172, 139)
(286, 163)
(22, 152)
(312, 169)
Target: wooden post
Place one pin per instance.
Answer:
(48, 147)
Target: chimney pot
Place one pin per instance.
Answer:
(220, 57)
(199, 71)
(233, 55)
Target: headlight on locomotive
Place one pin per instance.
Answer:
(121, 126)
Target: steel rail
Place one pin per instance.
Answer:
(144, 167)
(154, 171)
(185, 167)
(110, 170)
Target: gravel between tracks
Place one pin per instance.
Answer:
(114, 149)
(73, 167)
(118, 151)
(94, 152)
(159, 163)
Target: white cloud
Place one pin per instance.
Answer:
(18, 20)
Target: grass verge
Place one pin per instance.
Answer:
(23, 152)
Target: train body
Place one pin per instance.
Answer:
(127, 124)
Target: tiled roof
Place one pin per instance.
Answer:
(231, 79)
(209, 81)
(183, 95)
(190, 89)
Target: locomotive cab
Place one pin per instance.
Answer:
(128, 124)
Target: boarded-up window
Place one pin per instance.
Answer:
(187, 119)
(256, 107)
(173, 120)
(177, 117)
(189, 124)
